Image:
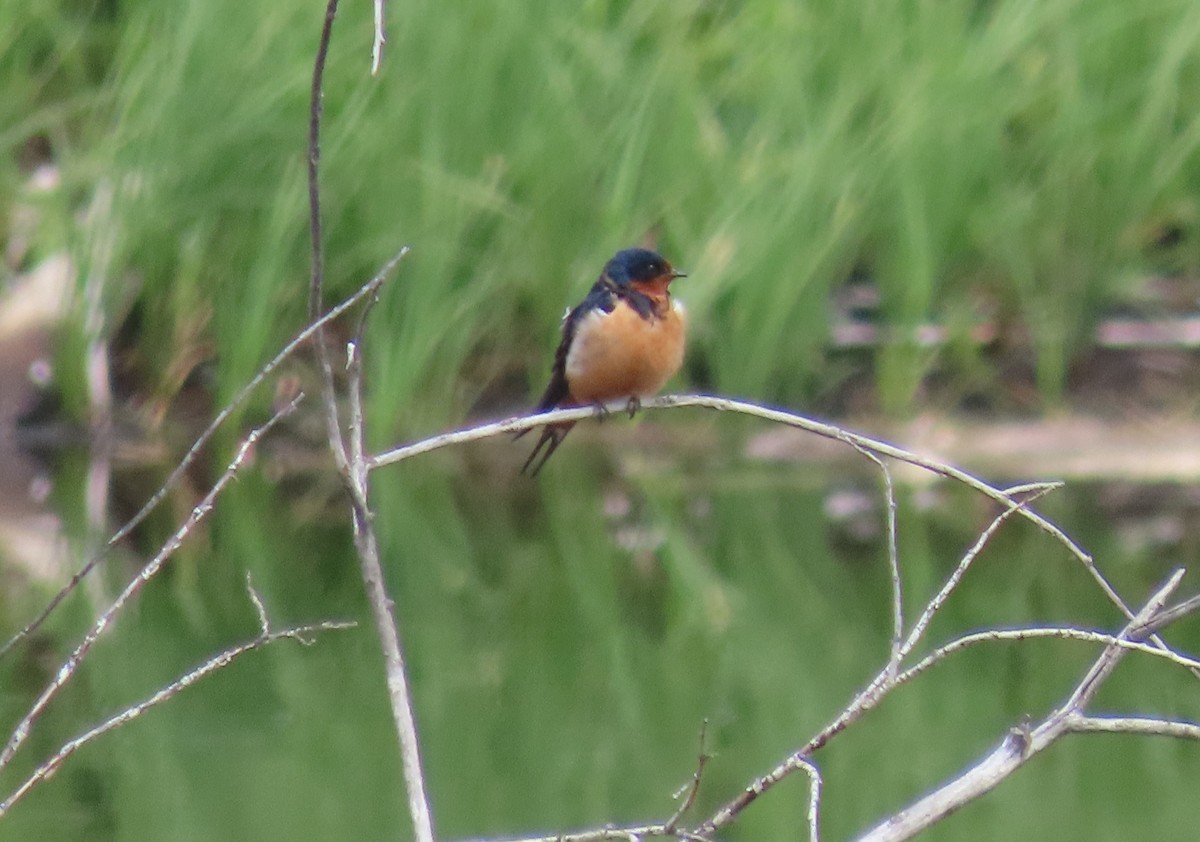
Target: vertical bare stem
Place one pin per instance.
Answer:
(352, 463)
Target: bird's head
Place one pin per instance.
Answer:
(645, 270)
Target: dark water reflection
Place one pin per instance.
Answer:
(568, 637)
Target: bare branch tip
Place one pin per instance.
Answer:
(264, 624)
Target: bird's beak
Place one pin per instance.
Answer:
(676, 273)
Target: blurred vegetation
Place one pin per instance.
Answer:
(1023, 159)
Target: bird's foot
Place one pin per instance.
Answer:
(602, 412)
(635, 403)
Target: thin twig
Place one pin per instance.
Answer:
(1170, 615)
(1144, 725)
(814, 797)
(893, 552)
(1057, 632)
(337, 445)
(108, 618)
(265, 636)
(1023, 742)
(880, 448)
(382, 606)
(693, 786)
(379, 40)
(960, 570)
(867, 698)
(632, 833)
(1136, 630)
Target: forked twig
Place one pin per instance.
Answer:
(1023, 743)
(266, 636)
(692, 788)
(956, 575)
(889, 490)
(379, 40)
(148, 572)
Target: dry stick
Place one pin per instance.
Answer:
(1145, 725)
(633, 833)
(172, 480)
(956, 575)
(669, 829)
(351, 462)
(382, 606)
(789, 419)
(814, 797)
(266, 636)
(866, 699)
(689, 792)
(1170, 615)
(337, 444)
(1055, 632)
(889, 489)
(1023, 743)
(379, 39)
(106, 620)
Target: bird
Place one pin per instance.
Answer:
(625, 340)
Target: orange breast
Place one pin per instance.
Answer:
(621, 354)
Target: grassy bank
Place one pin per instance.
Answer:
(1024, 159)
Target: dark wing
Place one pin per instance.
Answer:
(601, 296)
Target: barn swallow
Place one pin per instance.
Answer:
(625, 340)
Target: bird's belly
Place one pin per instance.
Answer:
(621, 354)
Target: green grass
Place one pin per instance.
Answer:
(1015, 153)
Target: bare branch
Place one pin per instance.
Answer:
(688, 793)
(814, 796)
(1022, 742)
(1137, 631)
(108, 618)
(1016, 500)
(880, 448)
(382, 607)
(885, 681)
(1170, 615)
(889, 489)
(956, 575)
(379, 39)
(337, 444)
(260, 610)
(633, 833)
(265, 637)
(1059, 632)
(348, 454)
(1143, 725)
